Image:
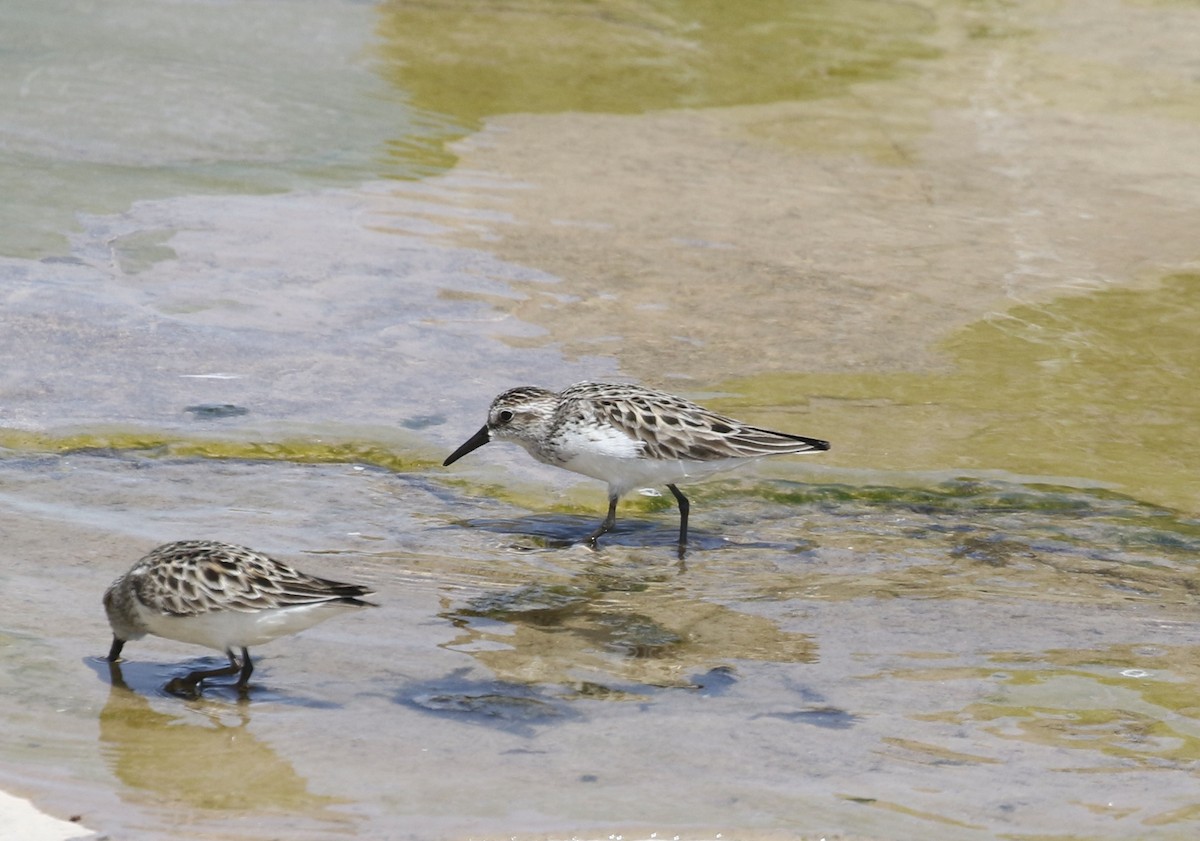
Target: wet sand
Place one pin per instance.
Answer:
(858, 232)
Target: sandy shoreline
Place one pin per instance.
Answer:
(22, 820)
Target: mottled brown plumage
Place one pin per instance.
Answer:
(221, 596)
(628, 436)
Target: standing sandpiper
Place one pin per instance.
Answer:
(629, 437)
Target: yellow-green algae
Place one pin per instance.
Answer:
(647, 630)
(1137, 703)
(1141, 737)
(168, 445)
(1100, 387)
(585, 500)
(472, 59)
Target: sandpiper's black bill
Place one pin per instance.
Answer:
(473, 443)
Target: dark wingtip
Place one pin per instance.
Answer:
(813, 443)
(356, 595)
(339, 592)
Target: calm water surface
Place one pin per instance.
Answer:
(263, 268)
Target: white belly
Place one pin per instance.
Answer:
(226, 629)
(623, 474)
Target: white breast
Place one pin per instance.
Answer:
(624, 474)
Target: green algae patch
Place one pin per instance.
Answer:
(1095, 389)
(473, 59)
(539, 604)
(586, 499)
(1135, 729)
(164, 445)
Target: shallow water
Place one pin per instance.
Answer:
(952, 661)
(110, 103)
(957, 240)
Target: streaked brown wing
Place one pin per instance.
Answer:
(673, 428)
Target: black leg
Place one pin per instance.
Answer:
(194, 678)
(247, 668)
(684, 508)
(115, 652)
(606, 526)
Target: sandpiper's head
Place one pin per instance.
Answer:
(122, 615)
(522, 415)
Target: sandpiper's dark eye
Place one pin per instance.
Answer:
(505, 416)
